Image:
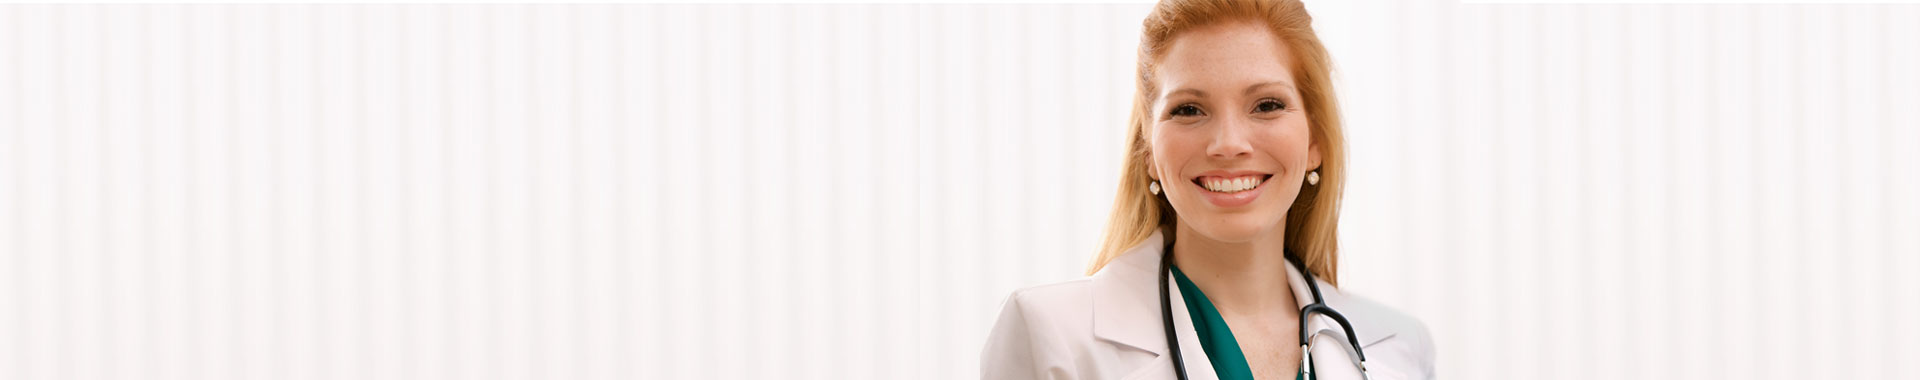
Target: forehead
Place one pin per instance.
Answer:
(1223, 56)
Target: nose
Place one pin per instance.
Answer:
(1230, 139)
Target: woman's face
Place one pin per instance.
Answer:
(1230, 141)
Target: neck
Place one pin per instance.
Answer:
(1244, 278)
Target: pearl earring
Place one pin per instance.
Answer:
(1154, 187)
(1313, 178)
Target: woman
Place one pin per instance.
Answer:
(1234, 165)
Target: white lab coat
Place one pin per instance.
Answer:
(1108, 326)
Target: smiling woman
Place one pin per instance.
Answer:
(1231, 189)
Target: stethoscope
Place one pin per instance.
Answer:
(1306, 314)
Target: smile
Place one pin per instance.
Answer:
(1231, 189)
(1233, 184)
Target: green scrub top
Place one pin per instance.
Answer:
(1215, 337)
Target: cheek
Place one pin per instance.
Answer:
(1288, 143)
(1170, 148)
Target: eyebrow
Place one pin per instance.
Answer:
(1250, 89)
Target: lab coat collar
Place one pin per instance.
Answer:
(1333, 356)
(1338, 300)
(1126, 310)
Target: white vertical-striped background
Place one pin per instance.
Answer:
(848, 191)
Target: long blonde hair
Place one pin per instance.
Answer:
(1313, 219)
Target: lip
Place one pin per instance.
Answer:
(1228, 173)
(1230, 200)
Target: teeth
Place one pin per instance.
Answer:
(1232, 185)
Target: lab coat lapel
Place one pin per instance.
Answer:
(1333, 356)
(1126, 311)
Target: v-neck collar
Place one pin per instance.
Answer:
(1216, 337)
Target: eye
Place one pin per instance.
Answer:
(1185, 110)
(1269, 105)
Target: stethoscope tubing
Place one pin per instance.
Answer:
(1319, 306)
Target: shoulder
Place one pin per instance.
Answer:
(1393, 339)
(1102, 326)
(1037, 329)
(1060, 305)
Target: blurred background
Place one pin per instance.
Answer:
(850, 190)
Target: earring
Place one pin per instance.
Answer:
(1153, 187)
(1313, 178)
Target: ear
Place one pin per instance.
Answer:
(1313, 155)
(1146, 155)
(1153, 172)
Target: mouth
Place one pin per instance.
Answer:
(1229, 184)
(1231, 190)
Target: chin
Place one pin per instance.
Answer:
(1240, 228)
